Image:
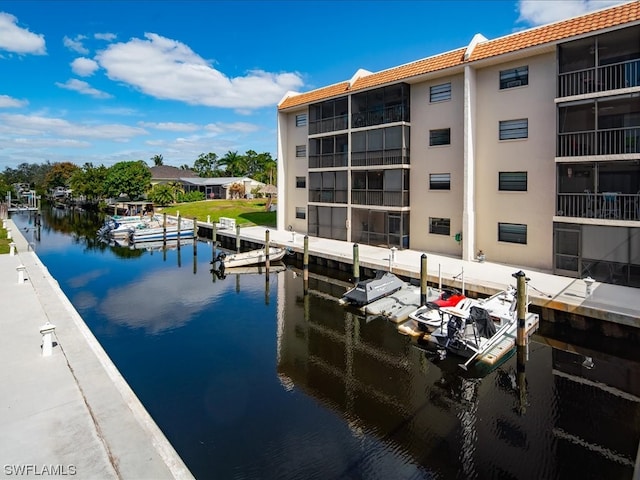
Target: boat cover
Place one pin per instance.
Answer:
(486, 326)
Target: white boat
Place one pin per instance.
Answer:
(149, 233)
(370, 290)
(252, 257)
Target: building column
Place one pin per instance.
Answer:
(468, 208)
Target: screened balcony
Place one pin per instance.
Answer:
(605, 190)
(607, 126)
(389, 188)
(600, 63)
(382, 105)
(382, 146)
(329, 116)
(328, 152)
(328, 187)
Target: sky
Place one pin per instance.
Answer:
(110, 81)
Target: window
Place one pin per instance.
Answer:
(301, 182)
(514, 77)
(439, 226)
(301, 150)
(440, 93)
(440, 137)
(512, 233)
(301, 120)
(301, 213)
(440, 181)
(512, 181)
(513, 129)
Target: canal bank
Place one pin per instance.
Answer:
(70, 413)
(609, 309)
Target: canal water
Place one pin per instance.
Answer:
(249, 378)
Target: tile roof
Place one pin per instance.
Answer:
(546, 34)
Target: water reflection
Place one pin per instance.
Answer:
(249, 377)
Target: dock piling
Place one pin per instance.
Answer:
(195, 236)
(423, 279)
(521, 296)
(356, 263)
(12, 249)
(21, 269)
(588, 282)
(237, 238)
(164, 230)
(266, 253)
(178, 237)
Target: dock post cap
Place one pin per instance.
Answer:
(47, 328)
(21, 268)
(588, 282)
(12, 249)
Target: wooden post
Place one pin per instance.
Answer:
(423, 279)
(237, 238)
(305, 265)
(178, 232)
(164, 229)
(521, 296)
(356, 264)
(214, 235)
(266, 252)
(195, 236)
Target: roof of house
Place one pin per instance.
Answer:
(168, 172)
(544, 35)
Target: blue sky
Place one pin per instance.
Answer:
(109, 81)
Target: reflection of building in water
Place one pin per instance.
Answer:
(444, 423)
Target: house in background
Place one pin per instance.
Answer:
(168, 174)
(221, 187)
(525, 147)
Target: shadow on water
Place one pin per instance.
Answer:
(248, 377)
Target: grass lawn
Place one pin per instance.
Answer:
(4, 241)
(245, 212)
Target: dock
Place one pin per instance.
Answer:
(615, 307)
(69, 413)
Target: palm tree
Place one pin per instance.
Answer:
(234, 164)
(157, 160)
(176, 188)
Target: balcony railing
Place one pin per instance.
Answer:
(327, 196)
(601, 142)
(396, 113)
(328, 124)
(380, 198)
(599, 79)
(328, 160)
(380, 157)
(606, 205)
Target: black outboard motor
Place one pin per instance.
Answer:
(217, 265)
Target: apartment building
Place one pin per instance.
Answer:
(526, 147)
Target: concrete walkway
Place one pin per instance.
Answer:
(613, 303)
(71, 413)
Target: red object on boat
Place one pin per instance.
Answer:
(450, 297)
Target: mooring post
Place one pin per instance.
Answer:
(423, 279)
(178, 237)
(439, 276)
(9, 233)
(521, 296)
(164, 229)
(266, 252)
(305, 265)
(46, 331)
(214, 235)
(21, 269)
(208, 218)
(237, 238)
(12, 249)
(195, 236)
(588, 282)
(356, 263)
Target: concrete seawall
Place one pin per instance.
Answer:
(71, 413)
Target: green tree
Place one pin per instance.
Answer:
(89, 181)
(128, 178)
(161, 194)
(157, 160)
(176, 188)
(206, 165)
(234, 164)
(59, 175)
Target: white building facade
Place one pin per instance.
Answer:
(526, 147)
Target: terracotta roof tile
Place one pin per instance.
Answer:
(618, 15)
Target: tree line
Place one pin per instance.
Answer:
(133, 178)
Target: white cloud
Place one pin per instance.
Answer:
(83, 88)
(41, 126)
(9, 102)
(19, 40)
(109, 37)
(537, 12)
(171, 126)
(49, 143)
(168, 69)
(75, 44)
(84, 66)
(241, 127)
